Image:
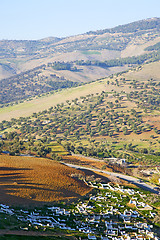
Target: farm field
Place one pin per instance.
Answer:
(29, 180)
(80, 135)
(115, 117)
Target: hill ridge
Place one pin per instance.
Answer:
(99, 48)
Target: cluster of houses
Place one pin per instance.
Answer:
(6, 209)
(104, 215)
(125, 224)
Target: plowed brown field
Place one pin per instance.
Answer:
(29, 180)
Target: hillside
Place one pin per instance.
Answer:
(88, 57)
(50, 78)
(58, 75)
(80, 134)
(114, 117)
(26, 108)
(29, 180)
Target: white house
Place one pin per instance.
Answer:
(92, 237)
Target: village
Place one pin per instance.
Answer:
(110, 212)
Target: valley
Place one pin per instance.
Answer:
(80, 135)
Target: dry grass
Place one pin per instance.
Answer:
(148, 71)
(42, 103)
(27, 180)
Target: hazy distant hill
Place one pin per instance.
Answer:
(86, 57)
(150, 23)
(6, 70)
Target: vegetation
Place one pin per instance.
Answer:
(18, 55)
(154, 56)
(50, 76)
(154, 47)
(63, 66)
(101, 125)
(90, 212)
(133, 27)
(119, 120)
(31, 83)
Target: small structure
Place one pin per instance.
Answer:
(92, 237)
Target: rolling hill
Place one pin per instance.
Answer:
(114, 112)
(45, 101)
(30, 68)
(57, 101)
(91, 100)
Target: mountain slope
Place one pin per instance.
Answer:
(110, 43)
(120, 113)
(6, 70)
(42, 66)
(26, 108)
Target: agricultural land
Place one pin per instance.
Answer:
(80, 135)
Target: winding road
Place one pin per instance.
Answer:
(130, 179)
